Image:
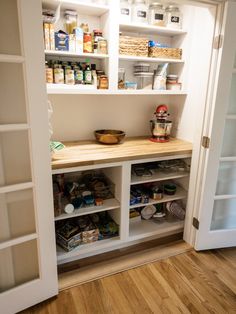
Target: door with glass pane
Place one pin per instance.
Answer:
(27, 246)
(217, 217)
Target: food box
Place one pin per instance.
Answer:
(61, 41)
(46, 29)
(52, 36)
(79, 39)
(68, 236)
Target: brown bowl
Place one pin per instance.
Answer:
(109, 136)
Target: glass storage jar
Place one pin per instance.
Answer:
(173, 17)
(139, 11)
(156, 14)
(125, 11)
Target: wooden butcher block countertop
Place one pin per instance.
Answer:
(85, 153)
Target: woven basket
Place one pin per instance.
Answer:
(172, 53)
(133, 46)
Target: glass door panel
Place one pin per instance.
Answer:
(13, 105)
(232, 99)
(18, 265)
(224, 214)
(15, 155)
(229, 139)
(226, 184)
(10, 42)
(16, 214)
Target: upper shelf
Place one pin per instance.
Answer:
(83, 7)
(148, 59)
(74, 54)
(11, 58)
(90, 152)
(149, 29)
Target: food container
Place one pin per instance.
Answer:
(148, 211)
(70, 21)
(141, 67)
(130, 85)
(121, 78)
(102, 46)
(103, 82)
(157, 193)
(88, 43)
(61, 41)
(144, 80)
(125, 11)
(170, 189)
(156, 14)
(175, 208)
(58, 75)
(68, 236)
(139, 12)
(173, 86)
(173, 17)
(109, 136)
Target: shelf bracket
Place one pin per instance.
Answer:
(196, 223)
(205, 141)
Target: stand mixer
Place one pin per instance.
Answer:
(161, 127)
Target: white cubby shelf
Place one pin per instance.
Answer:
(150, 29)
(159, 176)
(149, 59)
(75, 55)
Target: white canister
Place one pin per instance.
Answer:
(173, 17)
(139, 12)
(125, 11)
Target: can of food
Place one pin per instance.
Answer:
(88, 43)
(58, 76)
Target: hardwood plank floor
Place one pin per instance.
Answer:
(192, 282)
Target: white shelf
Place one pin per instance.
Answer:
(80, 6)
(224, 197)
(89, 89)
(180, 194)
(13, 127)
(18, 240)
(149, 228)
(86, 249)
(148, 59)
(231, 117)
(74, 54)
(149, 29)
(16, 187)
(159, 176)
(11, 58)
(107, 205)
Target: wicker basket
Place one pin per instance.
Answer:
(133, 46)
(172, 53)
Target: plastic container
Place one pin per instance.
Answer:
(125, 11)
(144, 80)
(156, 14)
(139, 12)
(70, 21)
(173, 17)
(141, 67)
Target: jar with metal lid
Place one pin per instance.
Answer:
(139, 11)
(156, 14)
(173, 17)
(69, 76)
(58, 74)
(103, 82)
(70, 20)
(125, 11)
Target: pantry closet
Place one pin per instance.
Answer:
(203, 115)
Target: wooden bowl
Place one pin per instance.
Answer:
(109, 136)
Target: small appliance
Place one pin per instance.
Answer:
(161, 127)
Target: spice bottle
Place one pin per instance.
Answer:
(87, 74)
(58, 74)
(139, 11)
(69, 76)
(173, 17)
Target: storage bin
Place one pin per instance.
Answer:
(172, 53)
(133, 46)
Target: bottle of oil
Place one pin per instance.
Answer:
(87, 73)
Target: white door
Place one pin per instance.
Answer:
(217, 216)
(28, 273)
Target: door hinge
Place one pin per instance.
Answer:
(205, 141)
(218, 42)
(195, 223)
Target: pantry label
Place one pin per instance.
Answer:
(142, 14)
(174, 19)
(124, 11)
(159, 17)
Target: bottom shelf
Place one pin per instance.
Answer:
(149, 228)
(85, 249)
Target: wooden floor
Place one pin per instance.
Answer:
(188, 283)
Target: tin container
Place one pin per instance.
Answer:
(88, 43)
(156, 14)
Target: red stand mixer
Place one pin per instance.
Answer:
(161, 127)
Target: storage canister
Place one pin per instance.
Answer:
(125, 11)
(173, 17)
(156, 14)
(139, 11)
(144, 80)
